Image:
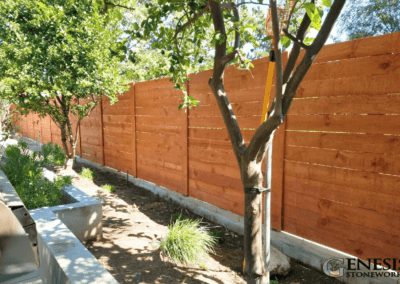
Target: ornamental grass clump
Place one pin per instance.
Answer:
(187, 242)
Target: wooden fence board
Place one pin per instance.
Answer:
(368, 143)
(383, 104)
(216, 168)
(353, 86)
(234, 183)
(365, 66)
(219, 202)
(159, 111)
(377, 45)
(213, 157)
(355, 197)
(351, 246)
(383, 124)
(380, 163)
(218, 134)
(170, 157)
(206, 97)
(243, 109)
(374, 182)
(218, 122)
(206, 144)
(117, 119)
(159, 147)
(360, 216)
(118, 111)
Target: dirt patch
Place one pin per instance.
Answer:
(134, 220)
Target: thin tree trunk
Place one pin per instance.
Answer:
(72, 141)
(64, 139)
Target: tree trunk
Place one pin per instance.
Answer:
(72, 141)
(255, 270)
(64, 140)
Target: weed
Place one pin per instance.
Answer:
(87, 173)
(108, 187)
(187, 242)
(177, 217)
(216, 234)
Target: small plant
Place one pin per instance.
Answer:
(187, 242)
(216, 234)
(87, 173)
(108, 187)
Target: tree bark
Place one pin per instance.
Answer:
(71, 139)
(64, 139)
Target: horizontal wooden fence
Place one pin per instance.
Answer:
(336, 169)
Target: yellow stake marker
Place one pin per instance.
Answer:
(267, 95)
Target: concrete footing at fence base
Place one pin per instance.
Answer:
(303, 250)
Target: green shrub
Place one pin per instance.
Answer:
(25, 174)
(52, 155)
(187, 242)
(87, 173)
(108, 187)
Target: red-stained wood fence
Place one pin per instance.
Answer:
(336, 169)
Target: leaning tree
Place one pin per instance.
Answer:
(230, 33)
(59, 57)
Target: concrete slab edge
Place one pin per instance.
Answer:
(64, 259)
(303, 250)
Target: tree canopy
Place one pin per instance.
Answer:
(56, 52)
(369, 18)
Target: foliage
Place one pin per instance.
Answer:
(370, 18)
(187, 242)
(183, 32)
(25, 174)
(54, 53)
(52, 155)
(108, 187)
(87, 173)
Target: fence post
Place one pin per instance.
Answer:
(102, 132)
(133, 121)
(185, 164)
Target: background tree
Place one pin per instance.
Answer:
(54, 53)
(369, 18)
(183, 42)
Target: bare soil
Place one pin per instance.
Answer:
(134, 220)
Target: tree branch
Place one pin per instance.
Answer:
(297, 41)
(217, 83)
(278, 55)
(115, 5)
(311, 54)
(265, 131)
(188, 23)
(294, 54)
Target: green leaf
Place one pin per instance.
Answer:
(285, 41)
(327, 3)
